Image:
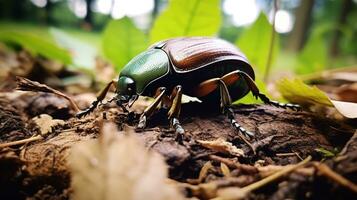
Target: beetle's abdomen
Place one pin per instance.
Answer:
(191, 53)
(190, 81)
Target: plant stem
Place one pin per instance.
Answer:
(18, 142)
(272, 41)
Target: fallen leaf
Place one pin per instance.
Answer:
(222, 146)
(296, 91)
(117, 166)
(46, 123)
(225, 170)
(347, 109)
(347, 92)
(203, 173)
(25, 84)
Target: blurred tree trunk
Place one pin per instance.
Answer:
(297, 37)
(155, 11)
(89, 16)
(48, 9)
(17, 9)
(346, 7)
(5, 12)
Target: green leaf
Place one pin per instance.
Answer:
(83, 53)
(37, 45)
(187, 18)
(325, 153)
(313, 56)
(122, 41)
(298, 92)
(255, 43)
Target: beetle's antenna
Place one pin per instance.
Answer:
(111, 100)
(132, 100)
(108, 102)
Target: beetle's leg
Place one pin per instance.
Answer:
(175, 110)
(150, 109)
(100, 98)
(226, 102)
(206, 87)
(209, 86)
(235, 75)
(266, 100)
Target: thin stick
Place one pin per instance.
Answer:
(18, 142)
(275, 176)
(241, 136)
(246, 168)
(272, 41)
(328, 172)
(237, 193)
(285, 154)
(327, 73)
(25, 84)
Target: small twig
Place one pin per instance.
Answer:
(348, 144)
(285, 154)
(237, 193)
(241, 136)
(326, 73)
(268, 170)
(298, 155)
(275, 176)
(25, 84)
(328, 172)
(68, 130)
(18, 142)
(272, 41)
(246, 168)
(289, 154)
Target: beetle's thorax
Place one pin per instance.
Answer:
(145, 68)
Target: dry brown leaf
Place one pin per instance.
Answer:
(203, 173)
(225, 170)
(46, 123)
(347, 109)
(25, 84)
(117, 166)
(222, 146)
(347, 92)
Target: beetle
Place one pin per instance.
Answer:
(210, 69)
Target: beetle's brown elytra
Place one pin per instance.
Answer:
(208, 68)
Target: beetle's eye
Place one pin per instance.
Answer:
(126, 85)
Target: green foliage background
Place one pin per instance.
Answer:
(121, 39)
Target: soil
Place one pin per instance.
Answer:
(38, 170)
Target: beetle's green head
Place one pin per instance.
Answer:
(142, 70)
(126, 90)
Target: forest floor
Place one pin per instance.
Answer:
(294, 155)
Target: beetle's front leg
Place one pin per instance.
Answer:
(175, 110)
(150, 109)
(99, 99)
